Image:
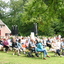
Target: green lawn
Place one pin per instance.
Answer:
(8, 58)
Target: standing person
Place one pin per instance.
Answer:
(6, 45)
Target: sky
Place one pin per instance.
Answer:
(5, 0)
(7, 9)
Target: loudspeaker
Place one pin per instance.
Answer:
(35, 29)
(14, 30)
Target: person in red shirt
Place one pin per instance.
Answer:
(6, 45)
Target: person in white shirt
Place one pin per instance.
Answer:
(56, 47)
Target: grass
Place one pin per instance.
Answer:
(8, 58)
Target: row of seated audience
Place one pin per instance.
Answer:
(18, 44)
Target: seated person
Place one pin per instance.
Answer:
(32, 47)
(14, 46)
(48, 43)
(6, 45)
(62, 47)
(19, 46)
(1, 44)
(56, 47)
(40, 48)
(23, 47)
(53, 46)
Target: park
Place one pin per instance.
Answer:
(31, 31)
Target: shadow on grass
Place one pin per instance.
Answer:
(32, 57)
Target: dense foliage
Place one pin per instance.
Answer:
(48, 14)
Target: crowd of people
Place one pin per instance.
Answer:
(21, 44)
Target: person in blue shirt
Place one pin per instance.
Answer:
(40, 48)
(19, 46)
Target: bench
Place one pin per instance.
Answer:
(28, 52)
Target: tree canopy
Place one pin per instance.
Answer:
(48, 14)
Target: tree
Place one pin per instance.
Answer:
(48, 14)
(3, 6)
(45, 13)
